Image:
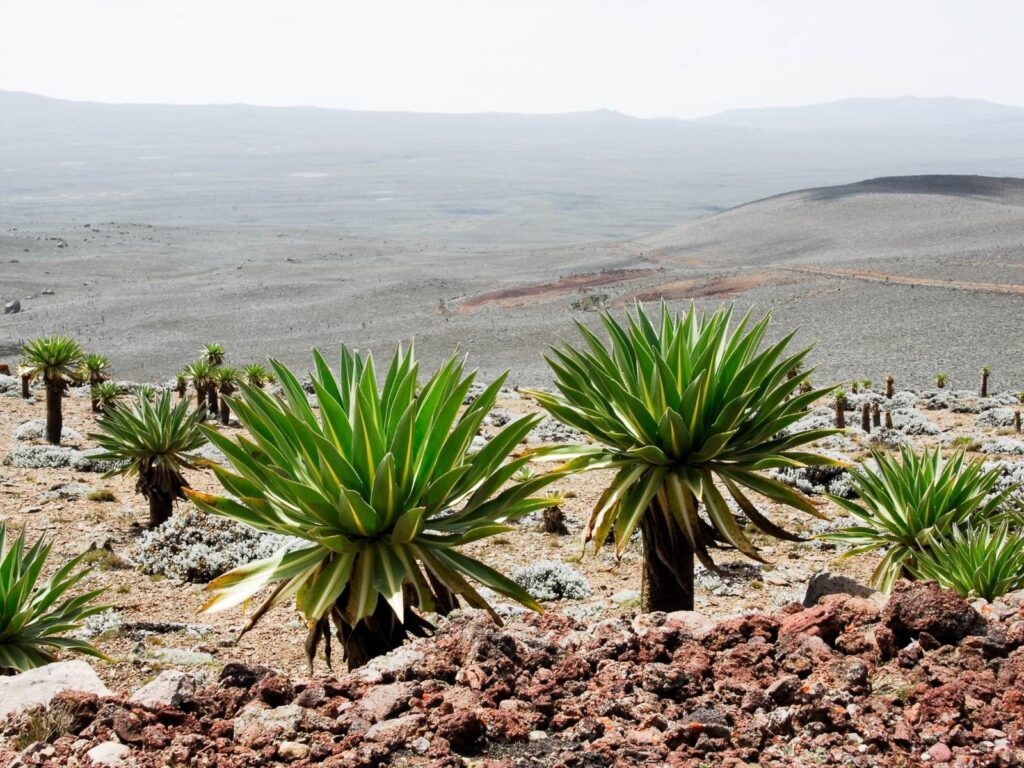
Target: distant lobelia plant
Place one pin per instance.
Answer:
(181, 384)
(383, 488)
(34, 616)
(941, 380)
(56, 359)
(154, 441)
(982, 560)
(907, 503)
(839, 405)
(890, 386)
(985, 373)
(257, 375)
(227, 380)
(680, 403)
(105, 395)
(214, 354)
(200, 373)
(96, 369)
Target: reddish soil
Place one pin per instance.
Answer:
(719, 287)
(522, 294)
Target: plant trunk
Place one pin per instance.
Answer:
(865, 418)
(25, 391)
(182, 389)
(840, 414)
(890, 387)
(225, 412)
(888, 420)
(668, 564)
(211, 399)
(200, 398)
(1016, 421)
(553, 521)
(876, 415)
(160, 507)
(54, 414)
(382, 632)
(984, 385)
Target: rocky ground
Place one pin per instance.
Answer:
(155, 589)
(927, 680)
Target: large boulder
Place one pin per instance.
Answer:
(38, 687)
(925, 608)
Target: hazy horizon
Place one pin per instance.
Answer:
(736, 109)
(646, 59)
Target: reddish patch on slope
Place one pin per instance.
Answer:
(718, 287)
(522, 294)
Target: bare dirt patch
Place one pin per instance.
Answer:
(717, 287)
(508, 297)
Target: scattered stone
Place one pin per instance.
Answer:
(924, 607)
(181, 657)
(626, 596)
(38, 687)
(171, 688)
(292, 750)
(109, 753)
(283, 719)
(12, 307)
(825, 583)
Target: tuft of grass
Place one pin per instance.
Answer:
(44, 724)
(104, 559)
(102, 494)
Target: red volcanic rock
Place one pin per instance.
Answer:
(836, 684)
(925, 608)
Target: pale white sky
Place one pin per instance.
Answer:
(648, 58)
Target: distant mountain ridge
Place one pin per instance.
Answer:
(867, 113)
(477, 179)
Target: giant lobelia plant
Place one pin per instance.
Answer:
(382, 488)
(683, 407)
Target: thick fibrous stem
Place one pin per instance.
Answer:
(161, 505)
(668, 564)
(553, 521)
(876, 415)
(888, 420)
(841, 413)
(890, 386)
(865, 418)
(54, 414)
(25, 391)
